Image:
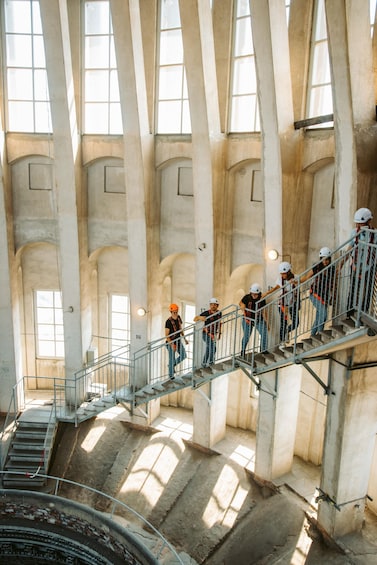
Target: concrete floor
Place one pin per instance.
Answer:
(206, 504)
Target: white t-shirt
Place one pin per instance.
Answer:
(287, 296)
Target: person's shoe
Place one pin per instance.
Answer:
(172, 378)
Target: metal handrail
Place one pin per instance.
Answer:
(115, 503)
(352, 281)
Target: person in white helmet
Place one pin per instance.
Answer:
(289, 303)
(321, 288)
(211, 330)
(363, 261)
(254, 314)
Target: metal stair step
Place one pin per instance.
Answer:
(260, 360)
(25, 424)
(348, 323)
(217, 367)
(20, 457)
(309, 343)
(338, 330)
(158, 387)
(30, 446)
(19, 481)
(186, 377)
(30, 435)
(178, 381)
(149, 390)
(269, 357)
(27, 467)
(278, 353)
(290, 348)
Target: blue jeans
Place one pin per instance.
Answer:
(247, 329)
(210, 352)
(173, 359)
(320, 315)
(286, 328)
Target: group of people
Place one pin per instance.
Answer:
(322, 289)
(174, 333)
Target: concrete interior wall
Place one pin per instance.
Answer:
(312, 203)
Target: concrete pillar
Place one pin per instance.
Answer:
(354, 104)
(276, 112)
(207, 144)
(10, 347)
(77, 333)
(277, 419)
(210, 404)
(349, 442)
(138, 159)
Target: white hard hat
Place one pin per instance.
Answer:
(362, 216)
(284, 267)
(325, 252)
(213, 301)
(255, 288)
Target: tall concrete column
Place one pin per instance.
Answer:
(207, 144)
(349, 442)
(354, 105)
(138, 158)
(277, 419)
(10, 347)
(276, 113)
(77, 333)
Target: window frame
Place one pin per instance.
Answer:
(255, 119)
(120, 342)
(110, 106)
(34, 116)
(55, 325)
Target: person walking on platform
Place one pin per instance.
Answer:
(254, 314)
(211, 330)
(363, 262)
(321, 288)
(174, 333)
(289, 301)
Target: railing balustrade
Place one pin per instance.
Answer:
(348, 284)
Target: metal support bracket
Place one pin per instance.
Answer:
(143, 413)
(324, 497)
(325, 387)
(204, 396)
(258, 383)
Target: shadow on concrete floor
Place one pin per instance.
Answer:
(206, 504)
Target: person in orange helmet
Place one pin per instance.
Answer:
(173, 333)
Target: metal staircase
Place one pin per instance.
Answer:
(30, 446)
(135, 380)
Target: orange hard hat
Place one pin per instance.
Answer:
(173, 308)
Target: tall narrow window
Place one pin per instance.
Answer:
(244, 112)
(120, 321)
(28, 107)
(319, 89)
(173, 113)
(102, 114)
(49, 323)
